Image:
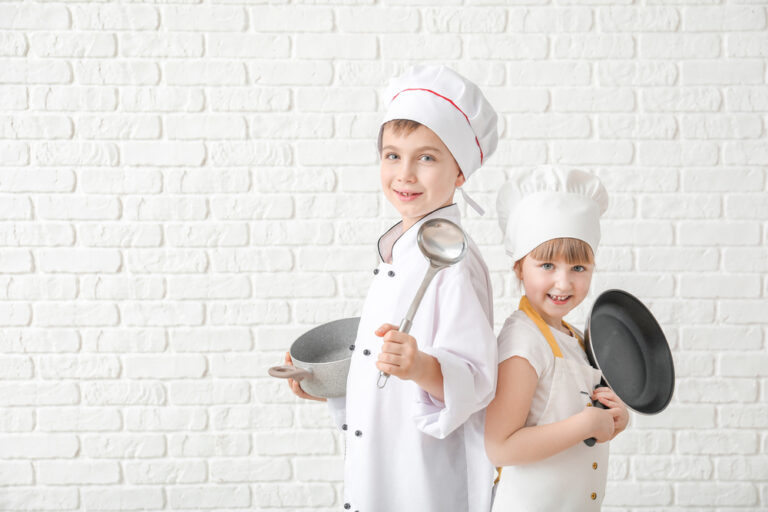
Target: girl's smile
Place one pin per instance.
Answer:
(554, 287)
(559, 300)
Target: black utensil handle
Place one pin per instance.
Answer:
(591, 441)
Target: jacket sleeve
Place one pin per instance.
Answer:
(338, 409)
(465, 347)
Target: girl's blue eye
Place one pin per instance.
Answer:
(579, 268)
(547, 266)
(427, 158)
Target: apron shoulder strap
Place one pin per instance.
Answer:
(526, 307)
(575, 334)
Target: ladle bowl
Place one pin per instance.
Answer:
(442, 242)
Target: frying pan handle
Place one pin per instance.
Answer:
(591, 441)
(288, 372)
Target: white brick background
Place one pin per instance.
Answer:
(186, 186)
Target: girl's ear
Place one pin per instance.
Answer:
(518, 268)
(460, 179)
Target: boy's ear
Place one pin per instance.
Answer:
(460, 179)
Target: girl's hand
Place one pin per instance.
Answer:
(600, 423)
(294, 385)
(400, 355)
(608, 398)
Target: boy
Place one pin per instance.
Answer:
(417, 442)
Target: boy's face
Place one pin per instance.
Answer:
(418, 172)
(554, 287)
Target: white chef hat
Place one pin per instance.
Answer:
(449, 105)
(541, 204)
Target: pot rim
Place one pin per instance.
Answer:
(320, 364)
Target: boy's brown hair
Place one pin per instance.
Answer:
(397, 126)
(401, 125)
(572, 250)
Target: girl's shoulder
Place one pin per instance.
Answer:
(519, 325)
(520, 337)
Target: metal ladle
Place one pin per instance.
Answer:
(443, 243)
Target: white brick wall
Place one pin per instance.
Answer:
(187, 186)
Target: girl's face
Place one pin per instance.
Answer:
(418, 173)
(554, 287)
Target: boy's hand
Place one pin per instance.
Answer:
(294, 385)
(400, 355)
(608, 398)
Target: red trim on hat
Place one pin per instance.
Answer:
(454, 105)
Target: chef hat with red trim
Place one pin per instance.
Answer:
(449, 105)
(544, 203)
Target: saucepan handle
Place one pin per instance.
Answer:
(289, 372)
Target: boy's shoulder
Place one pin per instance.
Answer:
(471, 264)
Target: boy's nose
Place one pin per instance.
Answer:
(407, 171)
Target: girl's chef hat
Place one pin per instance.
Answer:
(541, 204)
(449, 105)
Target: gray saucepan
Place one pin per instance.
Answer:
(321, 358)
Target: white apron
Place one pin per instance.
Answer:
(574, 479)
(405, 450)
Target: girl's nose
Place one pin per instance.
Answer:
(562, 280)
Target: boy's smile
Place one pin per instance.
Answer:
(418, 172)
(407, 196)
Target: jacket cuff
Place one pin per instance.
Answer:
(439, 418)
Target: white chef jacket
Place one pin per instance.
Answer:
(406, 450)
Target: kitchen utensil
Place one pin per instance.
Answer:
(443, 243)
(625, 342)
(321, 358)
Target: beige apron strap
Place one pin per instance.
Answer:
(575, 335)
(526, 307)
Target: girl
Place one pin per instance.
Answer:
(542, 411)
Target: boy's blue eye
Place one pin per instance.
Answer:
(390, 156)
(428, 158)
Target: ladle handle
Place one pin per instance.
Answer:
(405, 325)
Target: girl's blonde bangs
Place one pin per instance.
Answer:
(572, 250)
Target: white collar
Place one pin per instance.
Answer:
(407, 239)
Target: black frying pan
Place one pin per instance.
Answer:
(624, 341)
